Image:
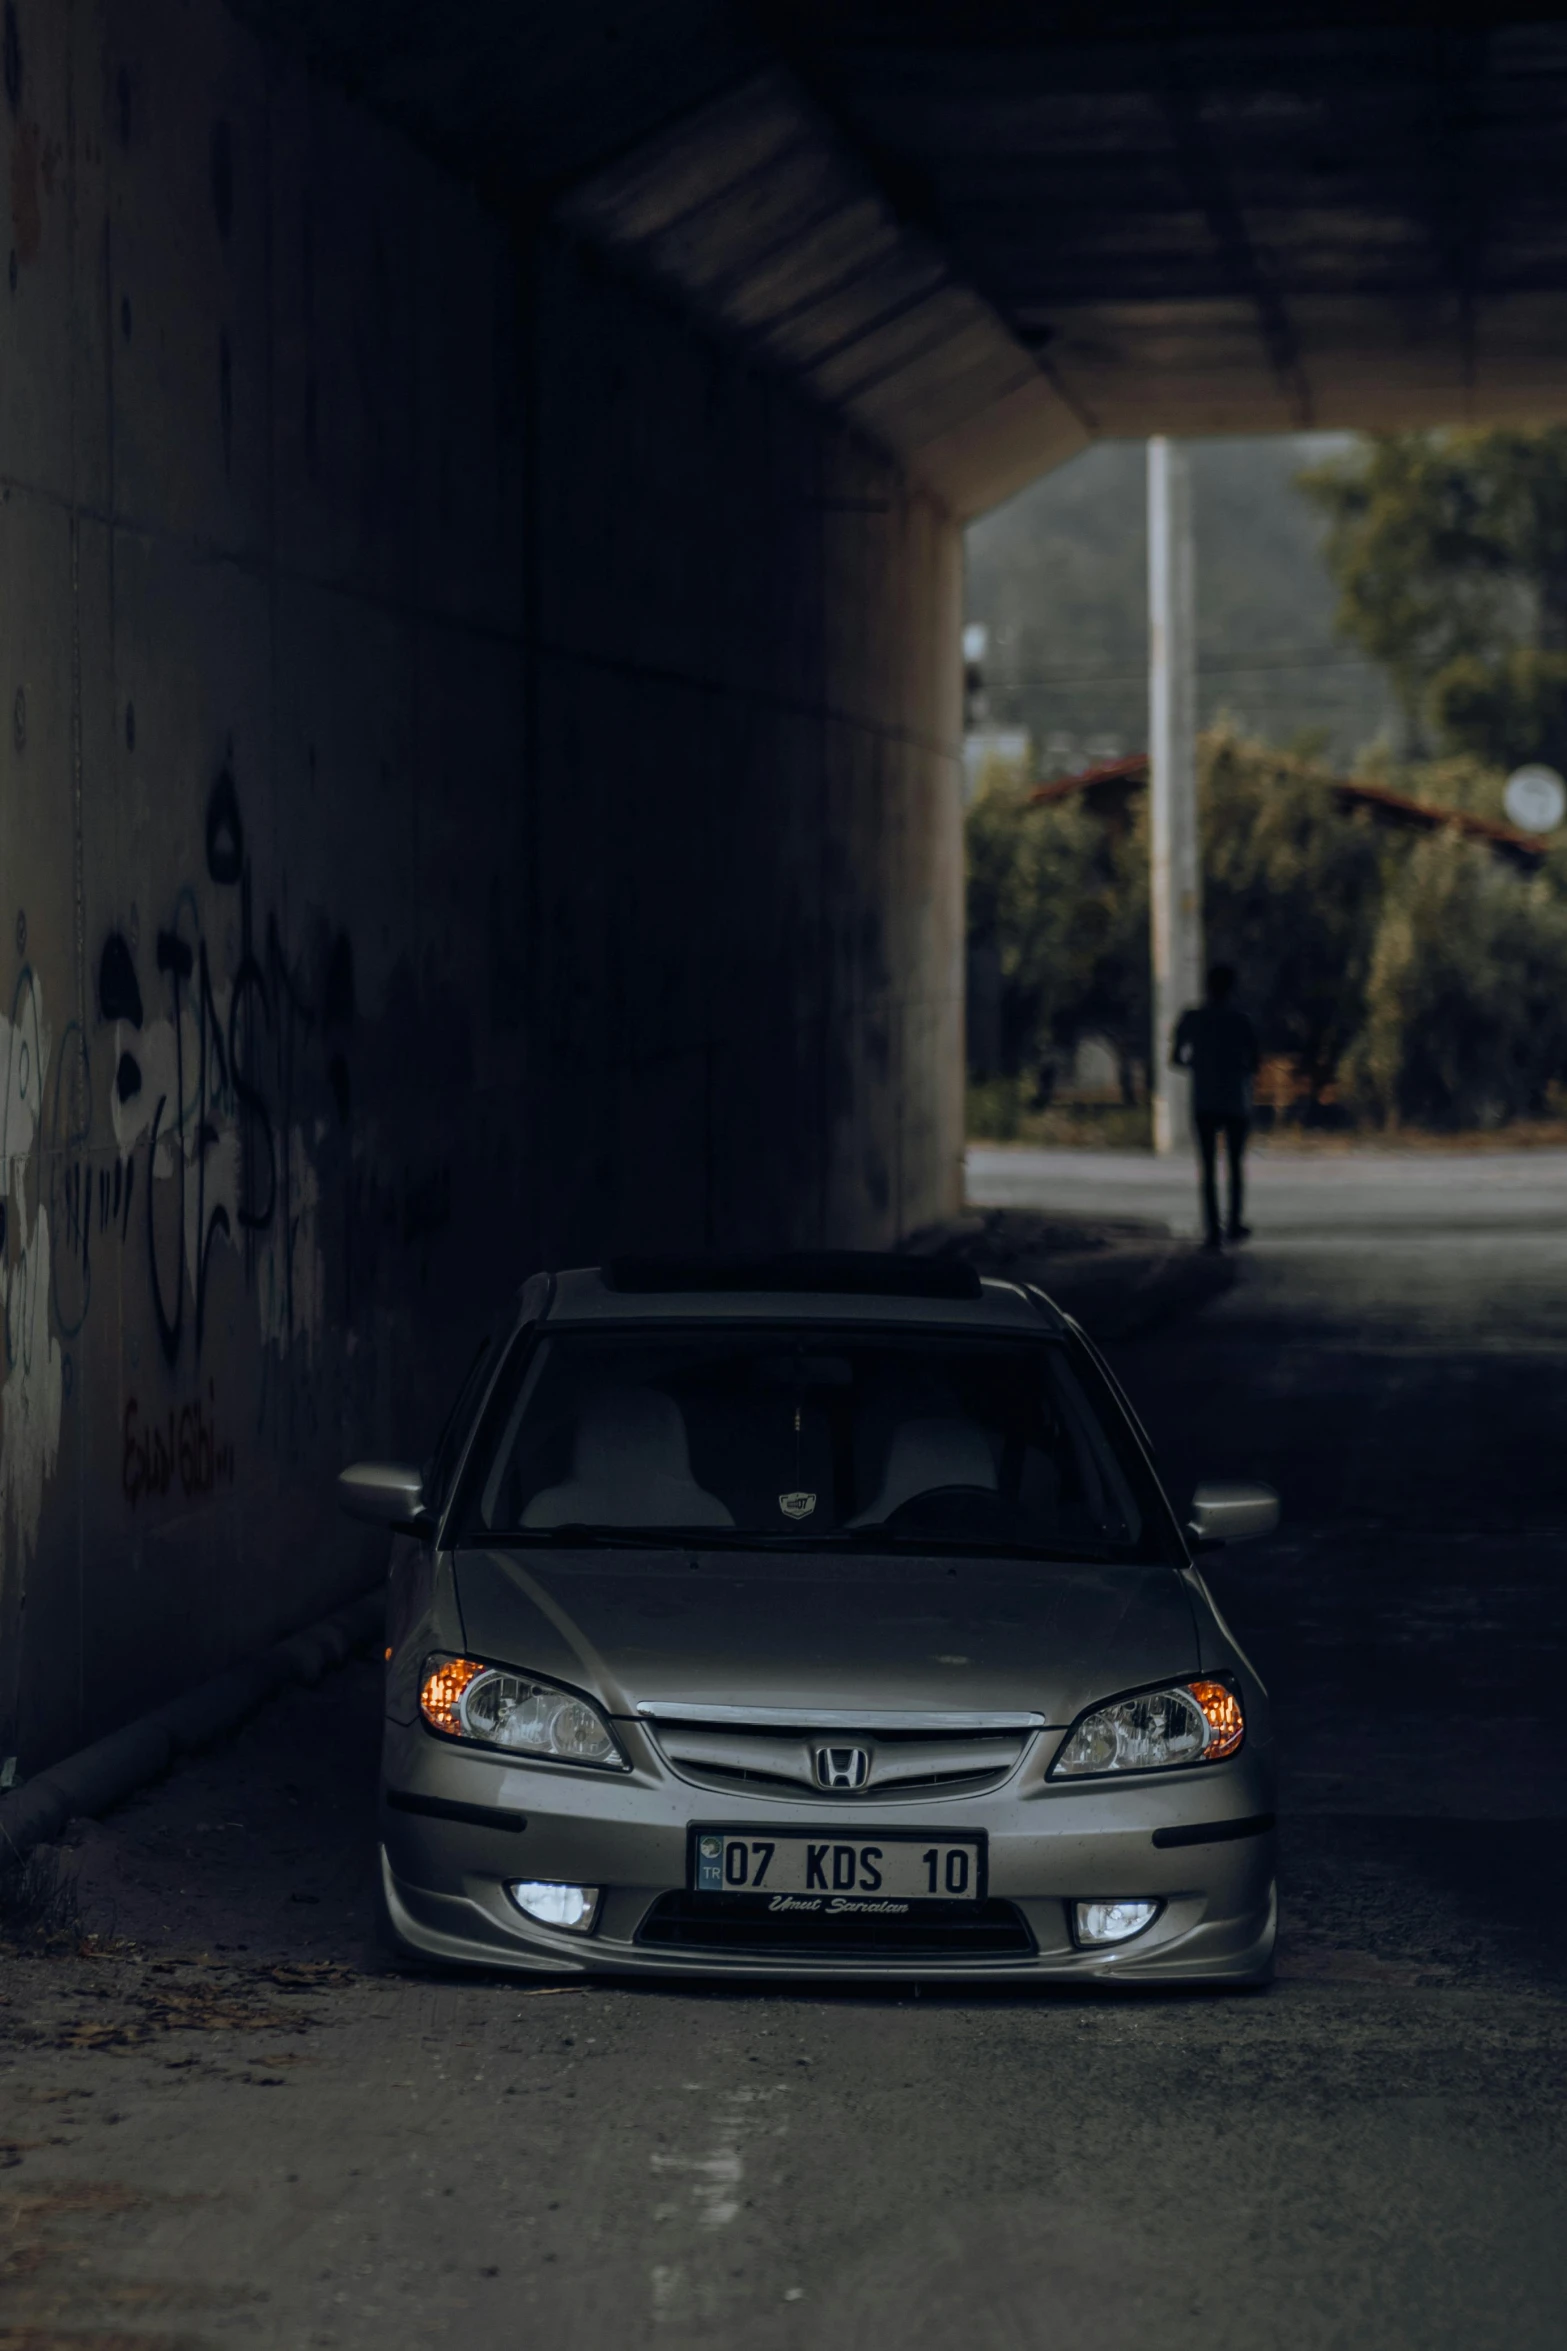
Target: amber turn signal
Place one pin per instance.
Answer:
(440, 1693)
(1226, 1722)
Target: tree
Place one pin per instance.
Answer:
(1057, 925)
(1292, 894)
(1506, 708)
(1449, 551)
(1466, 998)
(1425, 977)
(1114, 999)
(1058, 913)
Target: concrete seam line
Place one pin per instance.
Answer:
(103, 1774)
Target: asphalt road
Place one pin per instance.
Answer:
(227, 2124)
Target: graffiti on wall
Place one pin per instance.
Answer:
(32, 1394)
(184, 1449)
(170, 1141)
(203, 1095)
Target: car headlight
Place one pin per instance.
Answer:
(1192, 1722)
(498, 1708)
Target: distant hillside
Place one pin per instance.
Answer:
(1058, 576)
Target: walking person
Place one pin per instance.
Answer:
(1218, 1044)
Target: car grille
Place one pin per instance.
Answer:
(761, 1757)
(742, 1924)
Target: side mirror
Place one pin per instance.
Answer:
(1232, 1511)
(389, 1493)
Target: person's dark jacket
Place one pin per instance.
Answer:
(1218, 1044)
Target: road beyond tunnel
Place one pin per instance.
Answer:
(227, 2115)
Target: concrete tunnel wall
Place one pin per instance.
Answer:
(478, 787)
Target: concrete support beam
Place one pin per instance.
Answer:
(754, 213)
(1176, 867)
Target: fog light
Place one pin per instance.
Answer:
(1113, 1922)
(571, 1907)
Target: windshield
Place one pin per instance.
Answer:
(829, 1437)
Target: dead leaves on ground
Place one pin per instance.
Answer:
(46, 2338)
(51, 2234)
(308, 1975)
(144, 2000)
(141, 2020)
(68, 2198)
(26, 2219)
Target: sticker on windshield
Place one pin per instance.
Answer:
(797, 1505)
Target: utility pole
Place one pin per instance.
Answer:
(1175, 866)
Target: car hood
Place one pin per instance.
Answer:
(759, 1630)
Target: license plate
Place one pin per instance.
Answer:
(842, 1873)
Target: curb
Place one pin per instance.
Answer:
(112, 1768)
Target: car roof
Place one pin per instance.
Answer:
(589, 1294)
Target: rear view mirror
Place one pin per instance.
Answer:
(1233, 1510)
(389, 1493)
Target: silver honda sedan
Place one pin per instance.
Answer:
(817, 1616)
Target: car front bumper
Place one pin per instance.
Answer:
(451, 1845)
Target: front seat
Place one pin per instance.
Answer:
(926, 1454)
(630, 1467)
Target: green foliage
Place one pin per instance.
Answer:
(1007, 1110)
(1057, 910)
(1466, 999)
(1292, 890)
(1423, 976)
(1506, 708)
(994, 1109)
(1459, 780)
(1449, 551)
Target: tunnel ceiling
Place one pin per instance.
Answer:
(987, 231)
